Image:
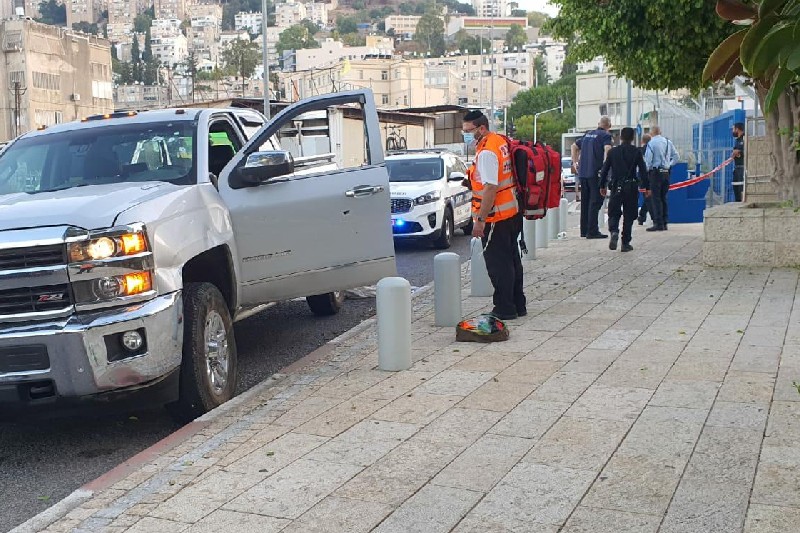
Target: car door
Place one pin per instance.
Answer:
(462, 196)
(320, 228)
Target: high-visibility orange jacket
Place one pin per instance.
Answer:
(505, 202)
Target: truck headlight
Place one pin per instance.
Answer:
(428, 198)
(106, 247)
(127, 285)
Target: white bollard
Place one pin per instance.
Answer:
(529, 232)
(541, 233)
(563, 209)
(447, 289)
(481, 284)
(552, 224)
(394, 324)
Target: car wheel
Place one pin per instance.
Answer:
(445, 238)
(326, 304)
(209, 366)
(468, 228)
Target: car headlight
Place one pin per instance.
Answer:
(428, 197)
(106, 247)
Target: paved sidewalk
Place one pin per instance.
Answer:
(642, 393)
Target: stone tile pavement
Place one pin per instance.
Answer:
(642, 393)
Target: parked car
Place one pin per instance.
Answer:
(130, 244)
(567, 177)
(429, 200)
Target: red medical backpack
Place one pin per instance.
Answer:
(537, 171)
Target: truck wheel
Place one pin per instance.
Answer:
(446, 236)
(209, 365)
(326, 304)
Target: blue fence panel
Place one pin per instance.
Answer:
(716, 148)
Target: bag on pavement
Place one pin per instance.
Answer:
(482, 328)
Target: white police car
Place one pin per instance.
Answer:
(429, 200)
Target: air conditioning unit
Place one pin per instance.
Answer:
(75, 97)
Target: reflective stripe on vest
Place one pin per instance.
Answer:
(505, 201)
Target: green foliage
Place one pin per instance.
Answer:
(537, 19)
(464, 41)
(85, 27)
(312, 27)
(346, 25)
(430, 34)
(550, 125)
(354, 39)
(242, 57)
(658, 44)
(516, 37)
(52, 13)
(296, 37)
(142, 22)
(147, 54)
(519, 13)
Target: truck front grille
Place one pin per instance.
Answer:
(401, 205)
(35, 299)
(34, 256)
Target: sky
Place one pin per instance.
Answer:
(539, 5)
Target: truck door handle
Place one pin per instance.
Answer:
(363, 190)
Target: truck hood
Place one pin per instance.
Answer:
(90, 207)
(413, 189)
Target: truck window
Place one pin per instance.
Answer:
(223, 143)
(100, 155)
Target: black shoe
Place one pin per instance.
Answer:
(655, 228)
(626, 248)
(504, 316)
(583, 235)
(665, 227)
(612, 244)
(522, 312)
(597, 236)
(641, 222)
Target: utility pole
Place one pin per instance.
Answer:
(265, 56)
(18, 92)
(630, 104)
(491, 64)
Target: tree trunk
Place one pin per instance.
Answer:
(782, 125)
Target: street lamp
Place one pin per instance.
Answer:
(560, 109)
(265, 56)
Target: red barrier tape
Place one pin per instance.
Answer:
(698, 179)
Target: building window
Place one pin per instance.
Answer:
(474, 89)
(384, 74)
(44, 80)
(385, 99)
(361, 74)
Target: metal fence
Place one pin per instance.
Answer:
(713, 145)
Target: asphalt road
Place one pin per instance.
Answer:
(41, 462)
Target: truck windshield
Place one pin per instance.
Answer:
(404, 169)
(162, 151)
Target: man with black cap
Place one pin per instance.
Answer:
(738, 161)
(623, 161)
(495, 214)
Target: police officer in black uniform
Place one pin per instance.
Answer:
(738, 161)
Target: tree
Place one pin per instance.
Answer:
(147, 55)
(242, 56)
(295, 38)
(136, 60)
(430, 34)
(767, 51)
(312, 27)
(519, 13)
(516, 37)
(542, 77)
(354, 39)
(53, 13)
(346, 25)
(550, 125)
(646, 42)
(85, 27)
(143, 21)
(537, 19)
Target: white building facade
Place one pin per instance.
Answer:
(249, 21)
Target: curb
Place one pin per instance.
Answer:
(59, 510)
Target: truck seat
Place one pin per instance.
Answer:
(218, 156)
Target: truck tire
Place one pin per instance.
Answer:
(209, 364)
(445, 238)
(326, 304)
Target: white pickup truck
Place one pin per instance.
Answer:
(130, 243)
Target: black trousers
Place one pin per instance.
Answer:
(738, 176)
(591, 202)
(623, 203)
(504, 264)
(664, 192)
(644, 209)
(659, 187)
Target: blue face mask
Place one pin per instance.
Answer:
(469, 138)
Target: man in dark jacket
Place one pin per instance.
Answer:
(623, 162)
(646, 203)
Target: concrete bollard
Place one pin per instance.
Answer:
(541, 233)
(563, 209)
(394, 324)
(481, 284)
(447, 289)
(552, 224)
(529, 232)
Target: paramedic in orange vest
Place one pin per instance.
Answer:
(495, 214)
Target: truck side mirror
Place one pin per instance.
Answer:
(456, 176)
(261, 167)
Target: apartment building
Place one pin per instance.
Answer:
(170, 9)
(332, 52)
(487, 27)
(32, 8)
(395, 82)
(194, 11)
(227, 37)
(170, 51)
(492, 8)
(249, 21)
(403, 25)
(50, 75)
(290, 14)
(165, 28)
(121, 14)
(317, 13)
(82, 11)
(273, 33)
(203, 36)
